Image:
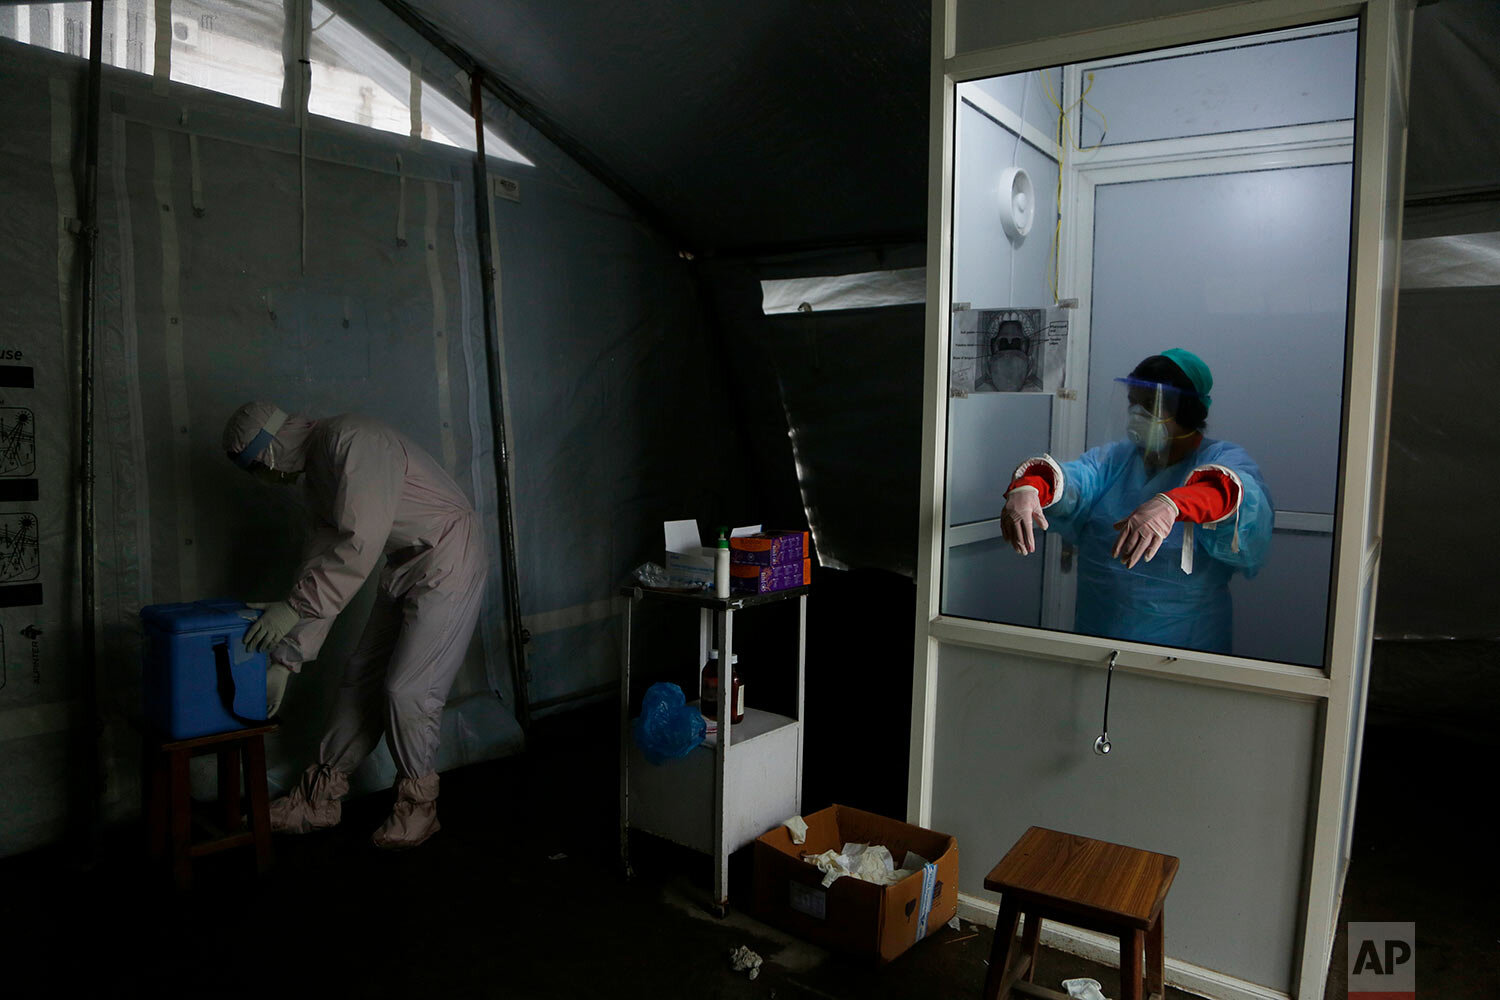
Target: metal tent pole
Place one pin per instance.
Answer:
(88, 233)
(519, 635)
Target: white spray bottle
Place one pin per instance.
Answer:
(721, 565)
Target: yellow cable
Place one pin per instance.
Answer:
(1055, 250)
(1064, 140)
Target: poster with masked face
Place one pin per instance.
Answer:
(1008, 350)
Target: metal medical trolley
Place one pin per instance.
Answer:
(739, 783)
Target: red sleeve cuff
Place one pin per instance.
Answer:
(1043, 486)
(1210, 497)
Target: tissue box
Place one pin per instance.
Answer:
(769, 548)
(765, 579)
(858, 918)
(688, 561)
(692, 566)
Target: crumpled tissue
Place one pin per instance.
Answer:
(1084, 989)
(745, 960)
(866, 862)
(797, 826)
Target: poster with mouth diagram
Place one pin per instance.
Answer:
(1008, 350)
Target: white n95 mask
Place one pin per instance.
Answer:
(1145, 431)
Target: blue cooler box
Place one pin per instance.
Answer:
(199, 678)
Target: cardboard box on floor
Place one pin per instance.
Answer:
(852, 916)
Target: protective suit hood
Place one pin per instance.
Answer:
(286, 451)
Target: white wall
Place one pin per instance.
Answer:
(1034, 90)
(1250, 271)
(1216, 778)
(983, 255)
(1294, 82)
(990, 432)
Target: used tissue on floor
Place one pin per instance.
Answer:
(1084, 989)
(842, 887)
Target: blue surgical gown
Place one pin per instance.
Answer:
(1157, 602)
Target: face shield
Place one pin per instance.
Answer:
(1144, 413)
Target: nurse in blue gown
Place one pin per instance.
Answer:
(1161, 520)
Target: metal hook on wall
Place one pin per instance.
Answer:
(1101, 745)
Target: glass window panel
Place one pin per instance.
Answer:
(129, 30)
(1189, 375)
(1298, 81)
(354, 79)
(446, 121)
(230, 46)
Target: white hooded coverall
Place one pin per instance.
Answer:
(376, 494)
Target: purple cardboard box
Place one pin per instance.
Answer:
(765, 579)
(769, 548)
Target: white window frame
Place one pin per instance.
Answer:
(1385, 30)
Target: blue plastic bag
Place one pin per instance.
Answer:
(667, 728)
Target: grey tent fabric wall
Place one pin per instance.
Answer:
(617, 415)
(831, 405)
(851, 383)
(1456, 62)
(1442, 430)
(618, 411)
(222, 312)
(40, 710)
(1436, 623)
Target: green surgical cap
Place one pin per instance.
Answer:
(1197, 372)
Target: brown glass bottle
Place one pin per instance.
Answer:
(709, 689)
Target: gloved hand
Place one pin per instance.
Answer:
(271, 627)
(276, 678)
(1022, 507)
(1142, 533)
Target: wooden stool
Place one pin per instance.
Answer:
(168, 806)
(1087, 883)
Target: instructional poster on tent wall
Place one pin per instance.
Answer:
(20, 535)
(1008, 350)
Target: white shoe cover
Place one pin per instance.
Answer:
(313, 804)
(414, 817)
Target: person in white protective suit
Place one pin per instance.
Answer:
(373, 494)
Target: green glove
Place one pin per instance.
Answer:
(276, 678)
(271, 627)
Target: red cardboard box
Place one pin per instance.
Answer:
(855, 917)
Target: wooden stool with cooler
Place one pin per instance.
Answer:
(203, 692)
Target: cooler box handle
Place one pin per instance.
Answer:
(224, 670)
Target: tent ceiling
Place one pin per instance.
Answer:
(778, 122)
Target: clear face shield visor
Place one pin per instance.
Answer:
(1144, 413)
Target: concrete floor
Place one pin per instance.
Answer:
(518, 897)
